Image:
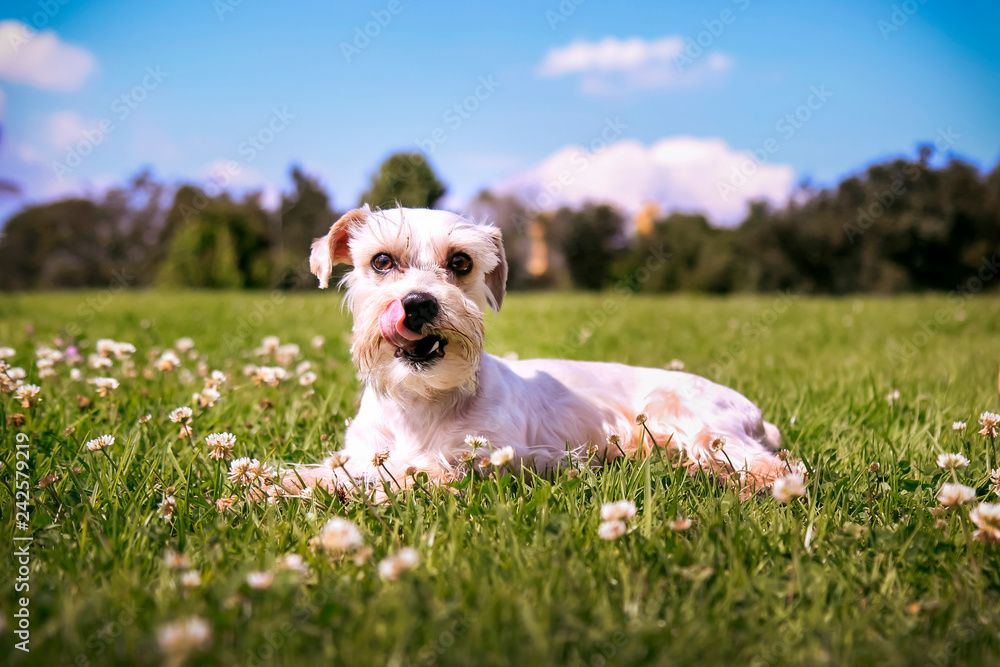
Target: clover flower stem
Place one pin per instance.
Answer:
(114, 470)
(620, 450)
(371, 507)
(393, 477)
(968, 542)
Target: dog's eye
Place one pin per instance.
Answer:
(383, 262)
(460, 263)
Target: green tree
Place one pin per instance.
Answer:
(217, 243)
(588, 239)
(405, 178)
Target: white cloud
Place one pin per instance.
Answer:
(612, 66)
(40, 59)
(686, 174)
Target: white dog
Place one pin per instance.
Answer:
(419, 290)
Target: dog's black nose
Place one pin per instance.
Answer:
(421, 308)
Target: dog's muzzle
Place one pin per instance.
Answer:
(402, 322)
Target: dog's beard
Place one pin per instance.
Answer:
(445, 361)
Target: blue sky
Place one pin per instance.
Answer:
(550, 85)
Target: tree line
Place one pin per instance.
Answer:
(901, 225)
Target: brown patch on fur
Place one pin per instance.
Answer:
(666, 406)
(496, 280)
(333, 248)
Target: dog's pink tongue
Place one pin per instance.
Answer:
(390, 322)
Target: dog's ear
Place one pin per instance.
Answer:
(496, 280)
(333, 248)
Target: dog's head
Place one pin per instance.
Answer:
(419, 288)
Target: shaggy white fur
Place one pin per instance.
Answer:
(428, 386)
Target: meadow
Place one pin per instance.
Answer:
(134, 562)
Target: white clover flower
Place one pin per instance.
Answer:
(167, 507)
(75, 374)
(238, 471)
(307, 378)
(317, 342)
(958, 426)
(215, 380)
(220, 444)
(28, 394)
(790, 486)
(611, 530)
(620, 510)
(46, 373)
(175, 560)
(260, 580)
(7, 353)
(168, 361)
(675, 365)
(302, 367)
(340, 536)
(502, 456)
(104, 386)
(45, 352)
(990, 421)
(100, 442)
(245, 471)
(17, 373)
(207, 397)
(952, 461)
(477, 442)
(269, 375)
(249, 369)
(184, 344)
(98, 362)
(270, 344)
(179, 415)
(180, 639)
(286, 354)
(191, 579)
(43, 364)
(953, 495)
(336, 460)
(892, 396)
(105, 347)
(987, 520)
(123, 351)
(394, 566)
(680, 523)
(291, 562)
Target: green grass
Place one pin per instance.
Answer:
(511, 570)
